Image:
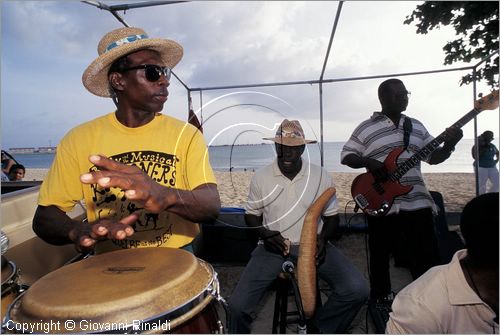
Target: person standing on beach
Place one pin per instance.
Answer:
(411, 215)
(488, 159)
(279, 197)
(460, 297)
(130, 165)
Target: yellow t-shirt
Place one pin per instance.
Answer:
(170, 151)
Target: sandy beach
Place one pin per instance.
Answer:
(457, 188)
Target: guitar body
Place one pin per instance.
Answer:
(376, 198)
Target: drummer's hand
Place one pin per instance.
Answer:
(274, 242)
(138, 186)
(86, 235)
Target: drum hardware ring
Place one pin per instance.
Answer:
(7, 318)
(215, 292)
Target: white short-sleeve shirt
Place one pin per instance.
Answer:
(283, 203)
(441, 302)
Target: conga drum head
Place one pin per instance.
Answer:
(118, 287)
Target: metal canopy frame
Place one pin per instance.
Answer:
(113, 9)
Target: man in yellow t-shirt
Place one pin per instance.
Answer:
(145, 177)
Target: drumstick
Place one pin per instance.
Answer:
(306, 263)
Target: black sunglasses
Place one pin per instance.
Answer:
(153, 72)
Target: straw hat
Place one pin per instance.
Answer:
(121, 42)
(290, 133)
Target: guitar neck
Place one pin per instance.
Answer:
(430, 147)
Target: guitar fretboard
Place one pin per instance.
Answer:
(405, 166)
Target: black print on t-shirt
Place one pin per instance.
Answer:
(160, 166)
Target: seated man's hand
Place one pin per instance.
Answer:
(138, 186)
(274, 242)
(86, 235)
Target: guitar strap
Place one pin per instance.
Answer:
(407, 128)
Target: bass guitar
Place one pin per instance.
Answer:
(375, 197)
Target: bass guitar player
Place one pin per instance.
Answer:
(409, 215)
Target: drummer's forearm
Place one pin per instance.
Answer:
(200, 205)
(53, 225)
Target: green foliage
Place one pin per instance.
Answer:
(476, 26)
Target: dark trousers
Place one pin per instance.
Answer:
(415, 229)
(349, 290)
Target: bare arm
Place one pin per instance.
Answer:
(451, 138)
(440, 155)
(8, 165)
(374, 166)
(273, 240)
(199, 205)
(54, 226)
(473, 152)
(356, 162)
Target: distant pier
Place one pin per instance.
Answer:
(33, 150)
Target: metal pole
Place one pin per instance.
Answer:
(97, 4)
(180, 81)
(119, 18)
(311, 82)
(485, 59)
(201, 107)
(321, 124)
(103, 6)
(476, 161)
(142, 4)
(334, 29)
(190, 102)
(336, 21)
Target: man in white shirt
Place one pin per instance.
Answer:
(279, 197)
(460, 297)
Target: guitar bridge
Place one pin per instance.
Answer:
(361, 201)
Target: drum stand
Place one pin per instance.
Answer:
(215, 292)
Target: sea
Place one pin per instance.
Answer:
(254, 156)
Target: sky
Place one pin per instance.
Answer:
(47, 45)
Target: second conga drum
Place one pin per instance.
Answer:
(135, 290)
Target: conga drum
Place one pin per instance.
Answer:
(148, 290)
(10, 283)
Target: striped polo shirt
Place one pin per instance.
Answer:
(376, 138)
